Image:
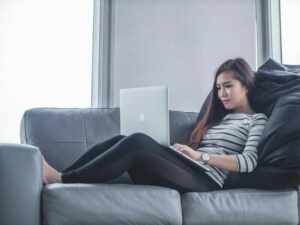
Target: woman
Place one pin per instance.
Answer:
(225, 139)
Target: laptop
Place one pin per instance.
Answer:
(145, 110)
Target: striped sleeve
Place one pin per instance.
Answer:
(247, 161)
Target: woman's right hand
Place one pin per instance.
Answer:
(188, 151)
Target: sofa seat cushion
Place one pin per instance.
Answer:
(94, 204)
(241, 207)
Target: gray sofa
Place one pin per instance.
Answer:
(62, 135)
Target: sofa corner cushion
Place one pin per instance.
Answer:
(241, 206)
(89, 204)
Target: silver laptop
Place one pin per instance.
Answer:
(145, 110)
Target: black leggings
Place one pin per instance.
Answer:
(145, 160)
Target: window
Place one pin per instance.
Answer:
(290, 35)
(45, 58)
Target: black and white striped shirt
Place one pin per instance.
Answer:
(238, 134)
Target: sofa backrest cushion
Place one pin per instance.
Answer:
(64, 134)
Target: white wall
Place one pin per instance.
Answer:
(179, 43)
(45, 58)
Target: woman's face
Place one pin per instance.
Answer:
(231, 92)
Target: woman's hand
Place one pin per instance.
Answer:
(225, 162)
(187, 151)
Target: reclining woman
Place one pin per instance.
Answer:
(225, 139)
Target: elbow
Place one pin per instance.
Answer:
(245, 163)
(251, 166)
(248, 169)
(245, 171)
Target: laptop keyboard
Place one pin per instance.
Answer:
(201, 164)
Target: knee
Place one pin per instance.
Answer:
(139, 138)
(118, 137)
(138, 135)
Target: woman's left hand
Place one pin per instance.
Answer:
(187, 151)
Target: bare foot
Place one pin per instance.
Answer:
(50, 175)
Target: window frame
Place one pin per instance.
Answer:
(268, 20)
(102, 85)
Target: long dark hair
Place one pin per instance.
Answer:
(216, 111)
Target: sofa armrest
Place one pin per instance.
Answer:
(20, 184)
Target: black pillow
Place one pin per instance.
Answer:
(277, 94)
